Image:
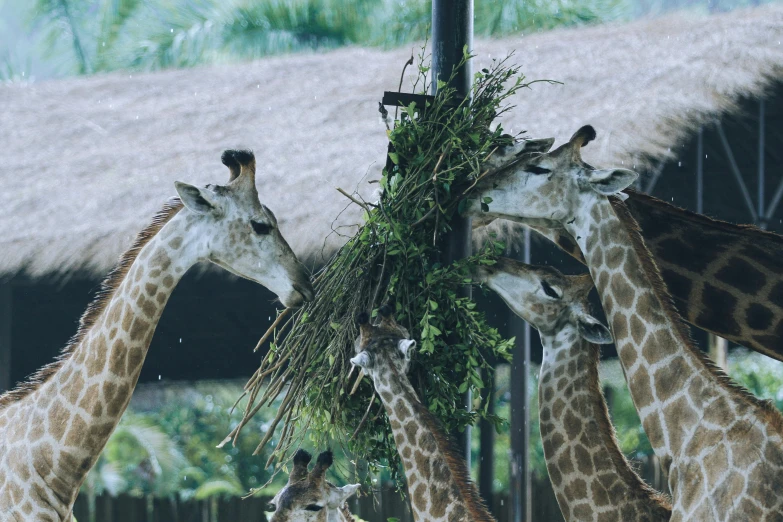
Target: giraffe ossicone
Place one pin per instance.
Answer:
(438, 479)
(591, 477)
(720, 447)
(54, 426)
(308, 496)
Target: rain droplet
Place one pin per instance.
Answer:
(180, 340)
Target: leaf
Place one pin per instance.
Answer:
(394, 157)
(335, 326)
(484, 207)
(433, 305)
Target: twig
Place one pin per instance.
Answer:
(361, 204)
(425, 216)
(358, 381)
(380, 279)
(366, 413)
(271, 328)
(402, 75)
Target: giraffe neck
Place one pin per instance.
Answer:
(54, 435)
(438, 480)
(590, 475)
(708, 432)
(724, 278)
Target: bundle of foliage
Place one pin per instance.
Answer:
(395, 257)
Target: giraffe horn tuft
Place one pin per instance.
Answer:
(363, 318)
(583, 136)
(240, 163)
(231, 162)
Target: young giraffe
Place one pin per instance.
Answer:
(438, 478)
(724, 278)
(591, 477)
(53, 428)
(309, 497)
(721, 448)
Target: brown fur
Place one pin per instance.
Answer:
(679, 328)
(654, 498)
(455, 462)
(729, 237)
(96, 308)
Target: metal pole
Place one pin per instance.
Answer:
(5, 337)
(521, 508)
(700, 171)
(486, 453)
(762, 218)
(452, 33)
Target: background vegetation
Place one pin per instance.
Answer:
(45, 38)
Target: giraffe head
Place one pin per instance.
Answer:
(231, 228)
(384, 347)
(545, 298)
(549, 188)
(308, 496)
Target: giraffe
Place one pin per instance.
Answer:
(438, 478)
(53, 427)
(309, 497)
(720, 447)
(590, 475)
(724, 278)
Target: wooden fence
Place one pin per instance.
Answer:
(385, 504)
(377, 508)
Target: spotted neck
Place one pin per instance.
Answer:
(710, 434)
(590, 475)
(52, 435)
(724, 278)
(439, 483)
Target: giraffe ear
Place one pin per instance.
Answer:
(340, 495)
(405, 346)
(198, 200)
(362, 360)
(592, 330)
(610, 181)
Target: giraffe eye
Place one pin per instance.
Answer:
(535, 169)
(261, 229)
(548, 290)
(271, 507)
(314, 507)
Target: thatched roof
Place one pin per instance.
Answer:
(85, 162)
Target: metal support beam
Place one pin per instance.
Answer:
(521, 509)
(452, 32)
(486, 479)
(773, 205)
(762, 221)
(5, 337)
(655, 176)
(737, 175)
(700, 171)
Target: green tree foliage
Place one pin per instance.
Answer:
(105, 35)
